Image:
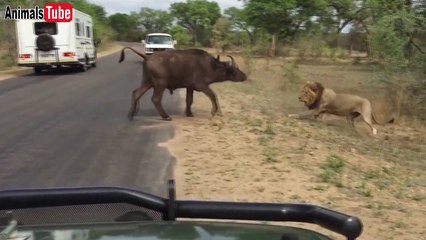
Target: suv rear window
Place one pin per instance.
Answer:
(45, 27)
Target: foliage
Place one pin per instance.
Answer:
(154, 20)
(239, 22)
(270, 15)
(221, 32)
(180, 35)
(391, 41)
(332, 170)
(198, 17)
(125, 26)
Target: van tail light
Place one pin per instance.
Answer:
(25, 56)
(69, 54)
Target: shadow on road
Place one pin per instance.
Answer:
(66, 70)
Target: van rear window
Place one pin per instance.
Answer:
(45, 27)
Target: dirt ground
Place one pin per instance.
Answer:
(255, 153)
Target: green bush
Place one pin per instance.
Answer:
(390, 42)
(181, 36)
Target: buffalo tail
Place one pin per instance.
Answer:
(138, 53)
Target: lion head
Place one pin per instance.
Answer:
(311, 94)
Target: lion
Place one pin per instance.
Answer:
(322, 100)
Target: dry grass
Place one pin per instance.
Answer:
(255, 153)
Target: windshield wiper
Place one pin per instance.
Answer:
(5, 233)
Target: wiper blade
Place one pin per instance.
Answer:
(4, 235)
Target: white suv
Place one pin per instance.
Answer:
(158, 42)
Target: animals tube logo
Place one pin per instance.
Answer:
(51, 12)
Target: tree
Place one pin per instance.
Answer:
(239, 21)
(180, 35)
(155, 20)
(221, 31)
(340, 13)
(198, 17)
(126, 26)
(270, 15)
(391, 40)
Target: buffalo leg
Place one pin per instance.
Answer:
(189, 101)
(156, 99)
(209, 92)
(136, 95)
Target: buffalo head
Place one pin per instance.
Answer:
(229, 70)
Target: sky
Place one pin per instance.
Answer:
(126, 6)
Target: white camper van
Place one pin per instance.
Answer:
(42, 45)
(158, 42)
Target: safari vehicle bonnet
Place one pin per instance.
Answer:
(92, 212)
(41, 44)
(158, 42)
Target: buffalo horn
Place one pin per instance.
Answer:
(233, 62)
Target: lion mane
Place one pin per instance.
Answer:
(312, 94)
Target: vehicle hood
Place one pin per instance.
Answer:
(164, 231)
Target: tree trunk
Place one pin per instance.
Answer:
(251, 37)
(194, 37)
(273, 47)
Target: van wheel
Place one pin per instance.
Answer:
(83, 68)
(95, 59)
(37, 70)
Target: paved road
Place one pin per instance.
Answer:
(70, 129)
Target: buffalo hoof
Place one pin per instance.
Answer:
(168, 118)
(189, 114)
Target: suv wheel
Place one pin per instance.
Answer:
(37, 70)
(83, 67)
(95, 59)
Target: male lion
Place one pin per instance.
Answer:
(322, 100)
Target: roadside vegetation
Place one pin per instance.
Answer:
(255, 153)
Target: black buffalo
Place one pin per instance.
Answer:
(193, 69)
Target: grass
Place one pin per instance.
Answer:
(332, 170)
(364, 190)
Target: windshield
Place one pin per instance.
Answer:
(273, 101)
(159, 40)
(45, 27)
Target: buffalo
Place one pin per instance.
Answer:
(193, 69)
